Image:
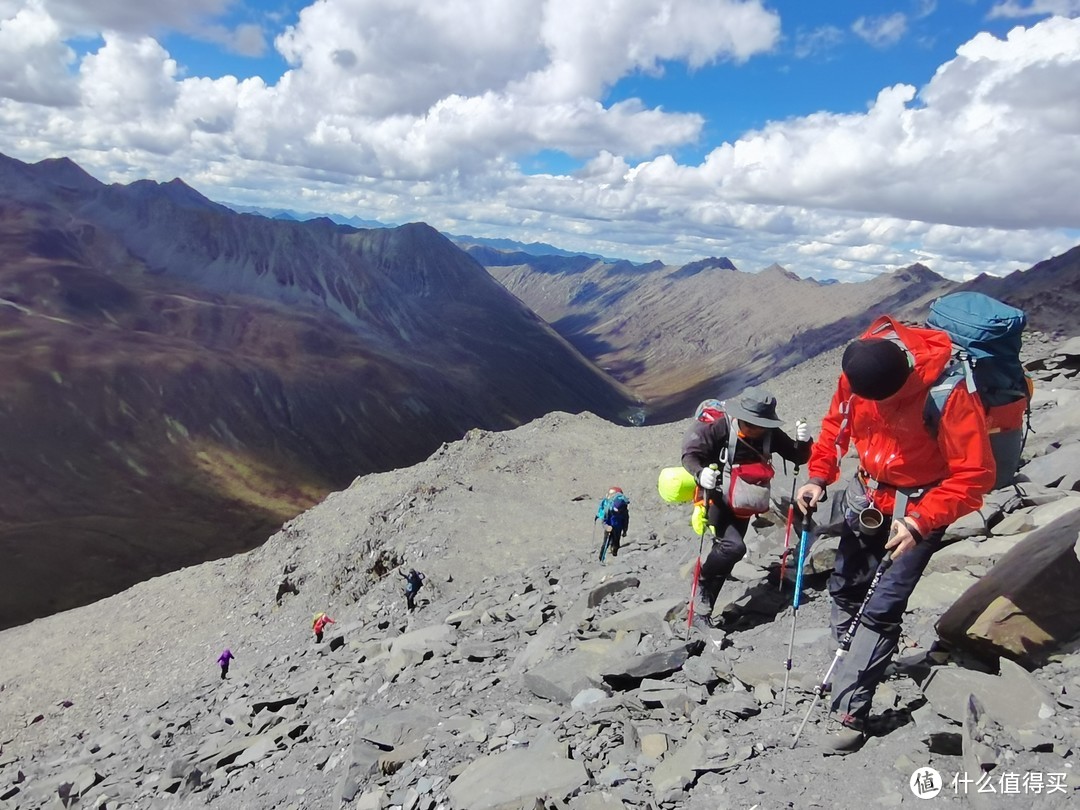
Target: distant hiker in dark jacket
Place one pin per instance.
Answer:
(223, 662)
(739, 438)
(414, 581)
(318, 625)
(614, 511)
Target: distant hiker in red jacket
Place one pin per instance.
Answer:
(318, 624)
(223, 662)
(922, 481)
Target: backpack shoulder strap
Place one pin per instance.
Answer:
(733, 441)
(958, 370)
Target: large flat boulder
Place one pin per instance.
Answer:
(560, 679)
(1059, 468)
(629, 672)
(1028, 605)
(1013, 696)
(516, 779)
(649, 617)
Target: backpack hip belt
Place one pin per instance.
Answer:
(907, 493)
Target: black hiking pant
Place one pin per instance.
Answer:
(878, 635)
(614, 535)
(224, 671)
(727, 549)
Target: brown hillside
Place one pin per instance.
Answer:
(677, 335)
(174, 401)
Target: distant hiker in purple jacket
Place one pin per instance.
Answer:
(223, 662)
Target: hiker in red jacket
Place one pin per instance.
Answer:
(911, 482)
(318, 625)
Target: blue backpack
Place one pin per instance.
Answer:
(986, 336)
(618, 512)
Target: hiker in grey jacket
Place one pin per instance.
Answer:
(746, 452)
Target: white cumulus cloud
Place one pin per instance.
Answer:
(881, 32)
(34, 60)
(125, 16)
(419, 110)
(1035, 8)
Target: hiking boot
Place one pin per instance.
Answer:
(703, 621)
(843, 734)
(707, 623)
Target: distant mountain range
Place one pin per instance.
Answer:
(531, 248)
(639, 322)
(677, 335)
(180, 379)
(290, 215)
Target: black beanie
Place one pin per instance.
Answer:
(875, 368)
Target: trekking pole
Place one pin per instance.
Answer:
(805, 536)
(845, 642)
(697, 565)
(787, 529)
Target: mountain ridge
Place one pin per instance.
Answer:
(182, 379)
(678, 335)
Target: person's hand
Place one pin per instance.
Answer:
(708, 478)
(904, 538)
(808, 497)
(802, 431)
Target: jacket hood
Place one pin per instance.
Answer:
(931, 350)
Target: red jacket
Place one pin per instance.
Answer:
(895, 446)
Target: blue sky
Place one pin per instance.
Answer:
(840, 139)
(819, 64)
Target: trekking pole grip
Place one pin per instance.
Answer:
(716, 467)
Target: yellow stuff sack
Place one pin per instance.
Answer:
(676, 485)
(698, 519)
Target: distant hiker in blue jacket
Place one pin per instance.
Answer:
(614, 511)
(414, 581)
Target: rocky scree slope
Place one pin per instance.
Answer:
(530, 675)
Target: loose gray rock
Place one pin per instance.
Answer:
(516, 779)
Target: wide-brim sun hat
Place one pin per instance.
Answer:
(755, 406)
